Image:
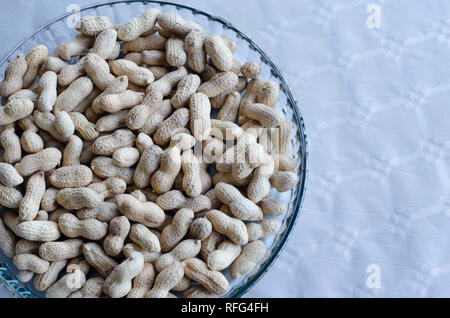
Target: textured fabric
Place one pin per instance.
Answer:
(373, 87)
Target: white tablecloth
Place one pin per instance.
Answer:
(373, 81)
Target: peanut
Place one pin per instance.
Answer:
(138, 26)
(13, 80)
(105, 212)
(35, 58)
(136, 74)
(113, 103)
(9, 176)
(119, 228)
(78, 198)
(194, 43)
(71, 177)
(58, 251)
(7, 241)
(186, 88)
(30, 262)
(74, 94)
(221, 56)
(250, 255)
(126, 157)
(251, 70)
(229, 110)
(11, 144)
(155, 119)
(104, 167)
(48, 88)
(29, 206)
(145, 238)
(175, 23)
(166, 83)
(184, 250)
(98, 259)
(198, 271)
(30, 141)
(200, 112)
(83, 126)
(138, 116)
(72, 152)
(64, 125)
(174, 233)
(233, 228)
(223, 256)
(140, 44)
(179, 119)
(40, 231)
(98, 70)
(119, 282)
(175, 199)
(143, 282)
(146, 213)
(15, 110)
(166, 280)
(267, 116)
(149, 257)
(45, 280)
(268, 94)
(259, 186)
(73, 227)
(148, 164)
(284, 181)
(93, 288)
(175, 53)
(68, 284)
(93, 26)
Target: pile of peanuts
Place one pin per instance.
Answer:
(115, 178)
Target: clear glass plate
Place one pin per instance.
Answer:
(57, 31)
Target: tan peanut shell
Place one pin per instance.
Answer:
(78, 198)
(48, 88)
(13, 80)
(148, 163)
(146, 213)
(166, 83)
(104, 167)
(194, 43)
(250, 255)
(30, 262)
(15, 110)
(241, 207)
(174, 233)
(98, 70)
(10, 142)
(179, 119)
(186, 88)
(138, 26)
(198, 271)
(98, 259)
(7, 241)
(41, 231)
(71, 177)
(93, 25)
(223, 256)
(119, 228)
(149, 257)
(9, 176)
(184, 250)
(200, 116)
(74, 94)
(166, 280)
(45, 280)
(73, 227)
(29, 206)
(147, 43)
(175, 23)
(93, 288)
(142, 236)
(107, 145)
(35, 58)
(136, 74)
(119, 282)
(175, 199)
(284, 181)
(58, 251)
(138, 116)
(105, 212)
(218, 84)
(68, 284)
(143, 282)
(221, 56)
(233, 228)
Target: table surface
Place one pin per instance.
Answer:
(373, 82)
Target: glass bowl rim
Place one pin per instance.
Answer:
(292, 221)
